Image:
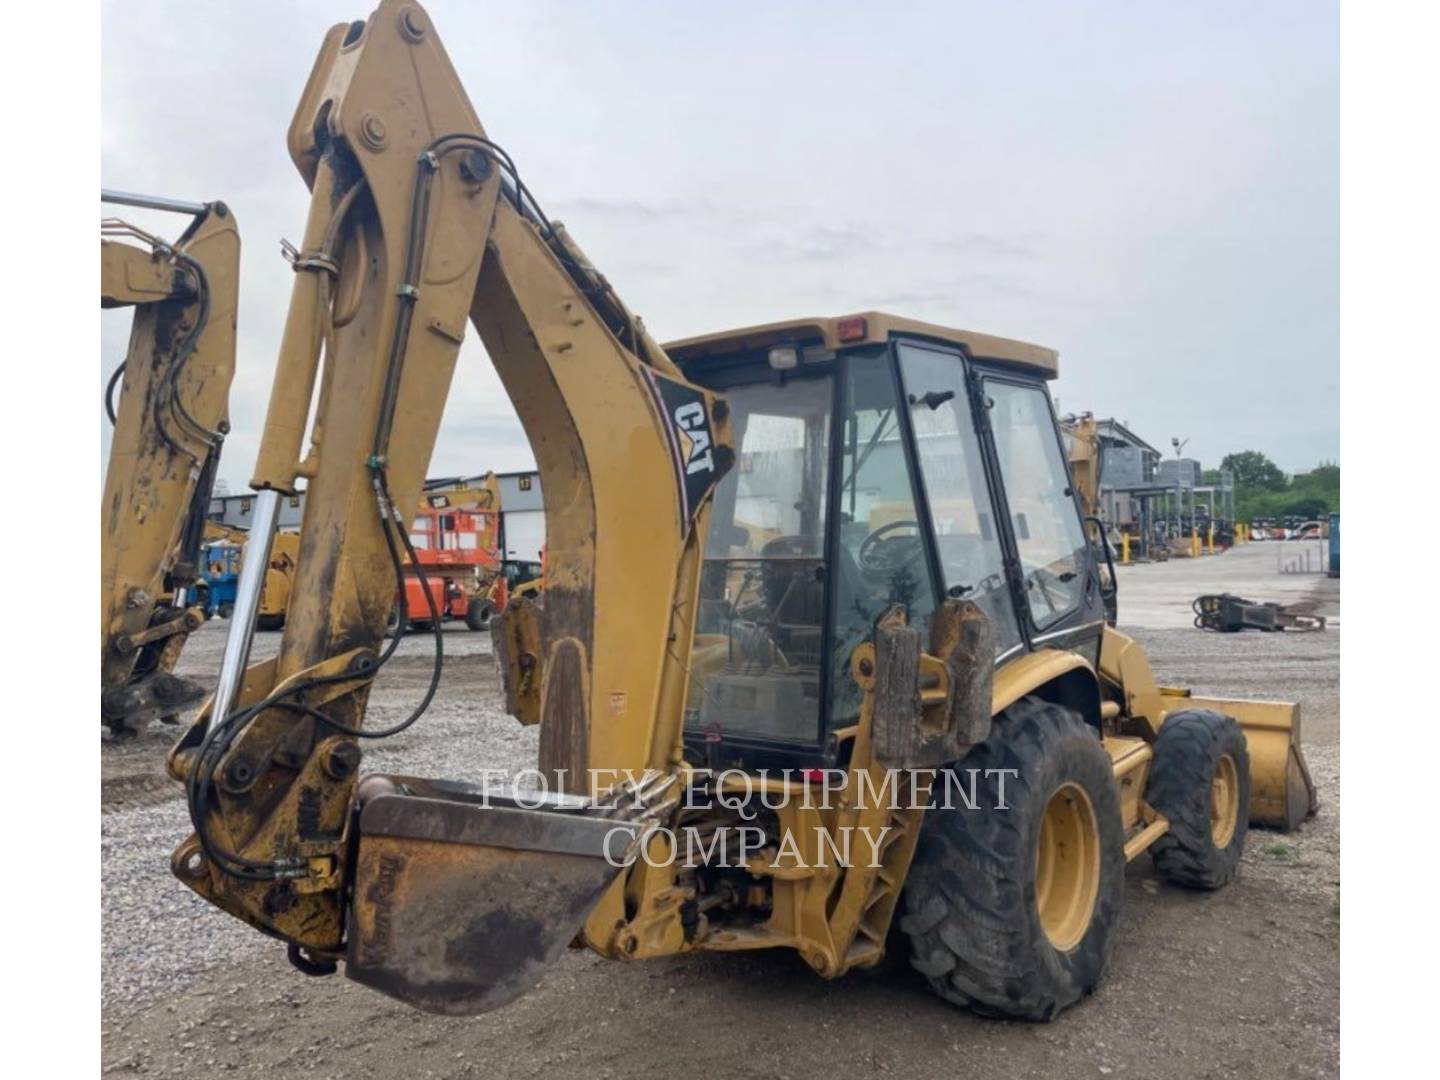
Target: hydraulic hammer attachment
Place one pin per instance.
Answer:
(463, 897)
(1228, 614)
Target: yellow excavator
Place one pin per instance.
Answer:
(1082, 449)
(790, 569)
(167, 401)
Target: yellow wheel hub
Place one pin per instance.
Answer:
(1224, 802)
(1067, 867)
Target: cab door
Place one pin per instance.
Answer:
(1055, 580)
(959, 496)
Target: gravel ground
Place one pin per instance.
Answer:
(159, 935)
(1242, 982)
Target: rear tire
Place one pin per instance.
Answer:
(226, 610)
(1011, 912)
(1201, 783)
(477, 614)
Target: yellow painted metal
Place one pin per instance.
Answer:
(1139, 842)
(878, 326)
(219, 531)
(1132, 758)
(169, 424)
(1025, 674)
(482, 496)
(1125, 549)
(1126, 667)
(1224, 802)
(279, 580)
(1067, 866)
(1082, 446)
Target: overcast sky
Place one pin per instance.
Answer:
(1151, 188)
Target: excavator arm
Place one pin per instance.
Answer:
(170, 421)
(418, 224)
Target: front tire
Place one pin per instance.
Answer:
(1201, 783)
(1011, 912)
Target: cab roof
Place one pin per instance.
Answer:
(874, 327)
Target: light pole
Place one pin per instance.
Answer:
(1179, 445)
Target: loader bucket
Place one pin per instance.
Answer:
(1281, 792)
(462, 899)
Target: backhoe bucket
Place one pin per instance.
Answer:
(1281, 792)
(463, 898)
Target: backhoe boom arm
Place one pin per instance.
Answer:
(418, 223)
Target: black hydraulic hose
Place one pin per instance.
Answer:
(171, 394)
(110, 391)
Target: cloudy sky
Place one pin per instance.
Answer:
(1151, 188)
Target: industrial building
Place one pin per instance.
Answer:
(1129, 467)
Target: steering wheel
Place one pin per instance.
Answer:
(871, 555)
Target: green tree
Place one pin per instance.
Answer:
(1305, 506)
(1254, 471)
(1310, 496)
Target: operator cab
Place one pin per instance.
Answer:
(879, 461)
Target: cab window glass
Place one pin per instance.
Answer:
(879, 552)
(755, 665)
(1048, 534)
(948, 451)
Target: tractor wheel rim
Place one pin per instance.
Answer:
(1224, 801)
(1067, 867)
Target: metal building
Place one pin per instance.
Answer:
(236, 511)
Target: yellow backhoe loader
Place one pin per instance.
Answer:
(170, 421)
(821, 648)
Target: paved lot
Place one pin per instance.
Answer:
(1242, 982)
(1157, 596)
